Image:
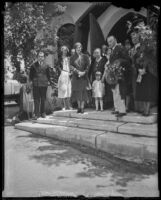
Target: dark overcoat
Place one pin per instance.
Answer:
(40, 75)
(97, 66)
(79, 83)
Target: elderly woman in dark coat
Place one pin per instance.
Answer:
(145, 77)
(79, 64)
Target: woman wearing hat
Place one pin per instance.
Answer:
(64, 82)
(79, 64)
(145, 82)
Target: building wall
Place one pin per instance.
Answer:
(73, 11)
(111, 16)
(107, 20)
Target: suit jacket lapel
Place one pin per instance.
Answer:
(35, 66)
(113, 53)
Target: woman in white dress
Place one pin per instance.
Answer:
(64, 82)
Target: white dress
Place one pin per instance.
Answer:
(64, 82)
(98, 89)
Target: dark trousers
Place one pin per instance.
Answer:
(39, 95)
(142, 107)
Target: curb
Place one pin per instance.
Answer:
(127, 147)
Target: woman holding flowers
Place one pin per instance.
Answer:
(144, 60)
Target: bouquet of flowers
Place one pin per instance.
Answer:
(148, 48)
(114, 73)
(148, 44)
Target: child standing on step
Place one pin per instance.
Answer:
(98, 89)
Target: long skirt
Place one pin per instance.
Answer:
(79, 89)
(64, 85)
(28, 102)
(146, 91)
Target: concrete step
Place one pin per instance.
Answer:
(82, 123)
(147, 130)
(107, 116)
(137, 149)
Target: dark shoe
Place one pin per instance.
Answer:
(138, 111)
(34, 118)
(121, 114)
(145, 114)
(79, 110)
(114, 112)
(43, 115)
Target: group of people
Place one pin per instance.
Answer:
(81, 73)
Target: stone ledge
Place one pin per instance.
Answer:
(82, 123)
(149, 130)
(128, 147)
(123, 146)
(35, 128)
(107, 116)
(78, 136)
(137, 118)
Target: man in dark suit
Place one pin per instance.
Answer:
(119, 53)
(104, 49)
(39, 76)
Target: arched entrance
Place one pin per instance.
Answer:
(111, 17)
(119, 30)
(66, 35)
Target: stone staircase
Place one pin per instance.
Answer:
(132, 137)
(131, 124)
